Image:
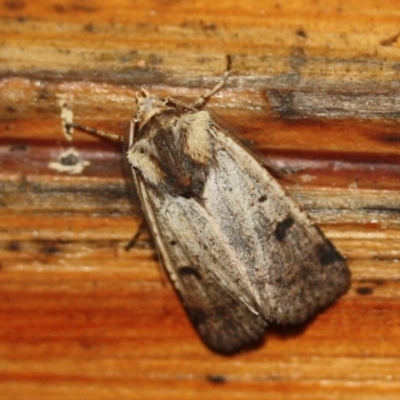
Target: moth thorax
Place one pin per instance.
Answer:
(147, 107)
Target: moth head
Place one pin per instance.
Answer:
(147, 106)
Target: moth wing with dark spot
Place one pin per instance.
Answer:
(218, 304)
(293, 269)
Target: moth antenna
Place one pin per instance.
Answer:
(142, 93)
(69, 125)
(93, 131)
(202, 100)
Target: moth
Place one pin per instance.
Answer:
(240, 253)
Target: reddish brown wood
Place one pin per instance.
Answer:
(314, 90)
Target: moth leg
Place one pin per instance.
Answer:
(133, 241)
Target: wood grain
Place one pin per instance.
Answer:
(314, 90)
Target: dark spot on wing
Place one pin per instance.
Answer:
(173, 242)
(189, 271)
(262, 198)
(197, 315)
(327, 254)
(282, 227)
(365, 290)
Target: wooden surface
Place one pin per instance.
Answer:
(315, 89)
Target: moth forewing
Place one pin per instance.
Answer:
(224, 313)
(293, 269)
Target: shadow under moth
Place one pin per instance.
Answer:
(240, 252)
